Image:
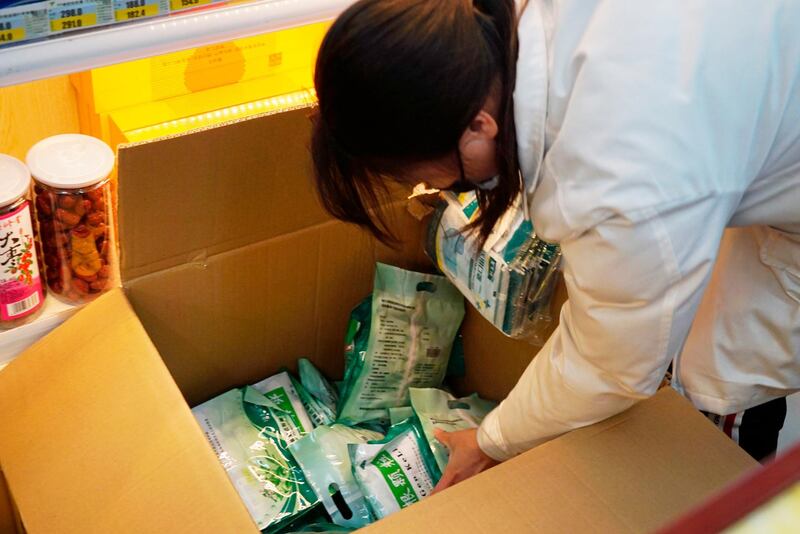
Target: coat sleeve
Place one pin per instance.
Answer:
(634, 287)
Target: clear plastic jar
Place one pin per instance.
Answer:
(21, 286)
(75, 216)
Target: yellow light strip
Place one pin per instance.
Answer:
(219, 116)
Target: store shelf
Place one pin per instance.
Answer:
(16, 340)
(73, 52)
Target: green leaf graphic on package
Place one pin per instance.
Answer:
(250, 430)
(405, 341)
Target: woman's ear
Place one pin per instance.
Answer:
(483, 125)
(478, 147)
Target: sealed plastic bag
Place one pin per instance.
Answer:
(400, 414)
(250, 432)
(320, 527)
(512, 279)
(355, 346)
(397, 471)
(317, 411)
(325, 460)
(317, 385)
(413, 322)
(437, 409)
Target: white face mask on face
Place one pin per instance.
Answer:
(463, 184)
(488, 185)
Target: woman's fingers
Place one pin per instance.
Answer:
(446, 481)
(442, 436)
(466, 457)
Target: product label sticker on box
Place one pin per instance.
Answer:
(138, 9)
(79, 14)
(25, 22)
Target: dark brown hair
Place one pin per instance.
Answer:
(398, 82)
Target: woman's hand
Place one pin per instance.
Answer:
(466, 457)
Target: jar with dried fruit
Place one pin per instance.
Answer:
(21, 287)
(73, 208)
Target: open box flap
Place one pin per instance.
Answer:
(186, 198)
(631, 473)
(96, 437)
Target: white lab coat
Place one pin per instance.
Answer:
(660, 143)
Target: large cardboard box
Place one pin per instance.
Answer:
(232, 270)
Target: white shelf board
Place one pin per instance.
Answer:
(74, 52)
(16, 340)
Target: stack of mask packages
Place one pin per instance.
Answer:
(511, 279)
(308, 455)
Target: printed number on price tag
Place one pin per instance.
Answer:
(135, 9)
(184, 4)
(73, 18)
(9, 35)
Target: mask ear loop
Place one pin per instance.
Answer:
(462, 185)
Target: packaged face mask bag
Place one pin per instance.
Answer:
(317, 385)
(512, 279)
(325, 460)
(437, 409)
(321, 527)
(250, 432)
(413, 322)
(400, 414)
(317, 411)
(397, 471)
(355, 346)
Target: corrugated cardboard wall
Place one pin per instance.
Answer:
(235, 270)
(189, 197)
(631, 473)
(7, 523)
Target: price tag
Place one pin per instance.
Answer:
(9, 36)
(23, 22)
(177, 5)
(11, 30)
(73, 16)
(135, 9)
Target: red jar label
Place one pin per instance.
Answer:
(20, 284)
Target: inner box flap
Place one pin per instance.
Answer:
(244, 314)
(630, 473)
(96, 437)
(185, 198)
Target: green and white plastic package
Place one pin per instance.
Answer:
(412, 325)
(251, 432)
(282, 388)
(355, 346)
(399, 414)
(397, 471)
(317, 411)
(437, 409)
(317, 385)
(511, 280)
(325, 460)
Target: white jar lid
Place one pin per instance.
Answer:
(15, 180)
(70, 161)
